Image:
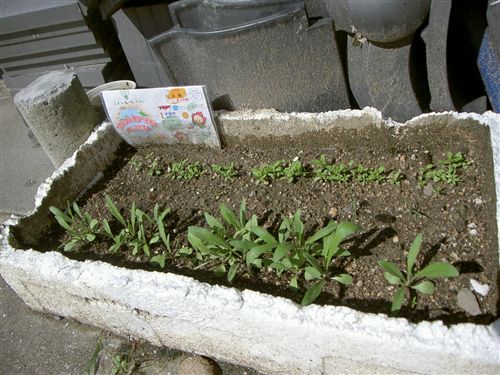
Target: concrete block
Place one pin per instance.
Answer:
(144, 64)
(271, 334)
(435, 36)
(278, 61)
(56, 108)
(381, 76)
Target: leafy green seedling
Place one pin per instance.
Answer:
(455, 161)
(228, 172)
(293, 171)
(136, 164)
(360, 173)
(139, 231)
(150, 165)
(296, 254)
(81, 227)
(268, 172)
(181, 171)
(395, 177)
(323, 171)
(366, 174)
(279, 170)
(153, 168)
(376, 175)
(447, 173)
(420, 280)
(120, 365)
(329, 250)
(229, 249)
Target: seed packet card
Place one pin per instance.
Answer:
(162, 115)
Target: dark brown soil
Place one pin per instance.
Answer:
(458, 226)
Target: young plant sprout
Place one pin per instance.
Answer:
(411, 278)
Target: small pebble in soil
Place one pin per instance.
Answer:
(198, 365)
(482, 289)
(395, 239)
(478, 201)
(472, 229)
(385, 218)
(428, 190)
(333, 212)
(467, 301)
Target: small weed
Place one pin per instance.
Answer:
(181, 171)
(81, 227)
(419, 281)
(91, 366)
(120, 364)
(228, 172)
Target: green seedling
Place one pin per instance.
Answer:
(150, 165)
(136, 164)
(181, 171)
(296, 254)
(279, 170)
(228, 172)
(91, 367)
(395, 177)
(446, 173)
(293, 171)
(365, 174)
(269, 172)
(323, 171)
(153, 169)
(229, 245)
(120, 365)
(376, 175)
(139, 231)
(455, 161)
(81, 227)
(430, 173)
(327, 252)
(413, 279)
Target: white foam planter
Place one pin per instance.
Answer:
(271, 334)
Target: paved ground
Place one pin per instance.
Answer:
(23, 165)
(32, 343)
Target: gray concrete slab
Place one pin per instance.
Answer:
(33, 343)
(23, 165)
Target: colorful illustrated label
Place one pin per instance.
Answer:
(162, 115)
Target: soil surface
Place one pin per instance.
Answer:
(458, 225)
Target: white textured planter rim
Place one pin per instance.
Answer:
(270, 334)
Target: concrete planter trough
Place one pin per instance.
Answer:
(270, 334)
